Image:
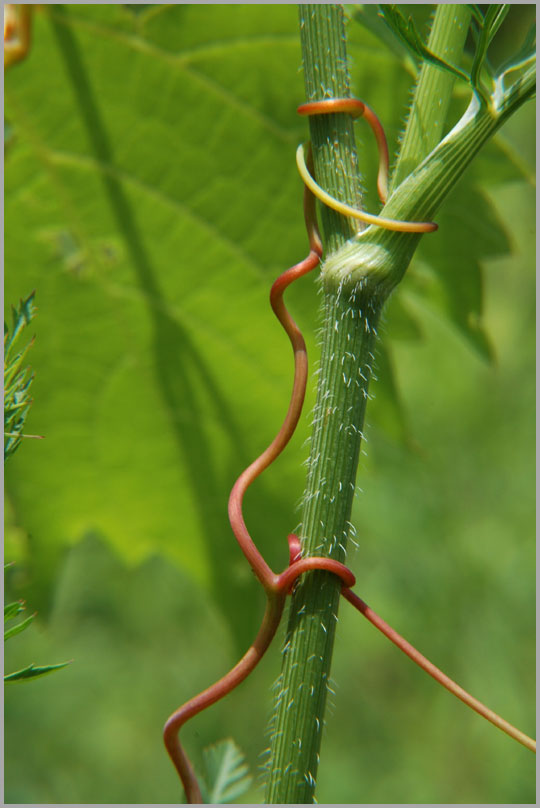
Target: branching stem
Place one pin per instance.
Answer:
(277, 587)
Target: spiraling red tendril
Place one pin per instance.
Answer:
(277, 587)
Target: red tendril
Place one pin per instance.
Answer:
(277, 587)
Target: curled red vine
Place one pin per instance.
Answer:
(277, 586)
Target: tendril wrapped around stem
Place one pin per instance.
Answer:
(277, 587)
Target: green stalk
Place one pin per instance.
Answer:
(326, 75)
(380, 257)
(358, 275)
(351, 316)
(433, 90)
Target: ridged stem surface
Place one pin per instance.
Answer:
(350, 319)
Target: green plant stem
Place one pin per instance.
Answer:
(358, 275)
(326, 75)
(351, 316)
(381, 257)
(433, 89)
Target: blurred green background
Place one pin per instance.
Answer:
(151, 199)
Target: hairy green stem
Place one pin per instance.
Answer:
(359, 273)
(351, 316)
(326, 75)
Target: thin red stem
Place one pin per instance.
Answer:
(357, 109)
(217, 691)
(276, 587)
(297, 568)
(436, 673)
(236, 518)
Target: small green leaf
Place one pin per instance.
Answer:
(11, 610)
(33, 671)
(21, 317)
(369, 17)
(16, 380)
(226, 773)
(11, 632)
(491, 23)
(406, 31)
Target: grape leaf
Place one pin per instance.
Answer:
(153, 230)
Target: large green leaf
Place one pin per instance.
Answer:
(151, 198)
(151, 192)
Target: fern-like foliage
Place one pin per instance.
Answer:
(17, 401)
(226, 774)
(11, 611)
(17, 379)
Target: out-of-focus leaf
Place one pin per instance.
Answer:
(520, 60)
(11, 632)
(499, 162)
(456, 286)
(11, 610)
(17, 380)
(399, 322)
(152, 199)
(139, 8)
(32, 672)
(226, 773)
(367, 15)
(389, 414)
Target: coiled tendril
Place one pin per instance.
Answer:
(277, 586)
